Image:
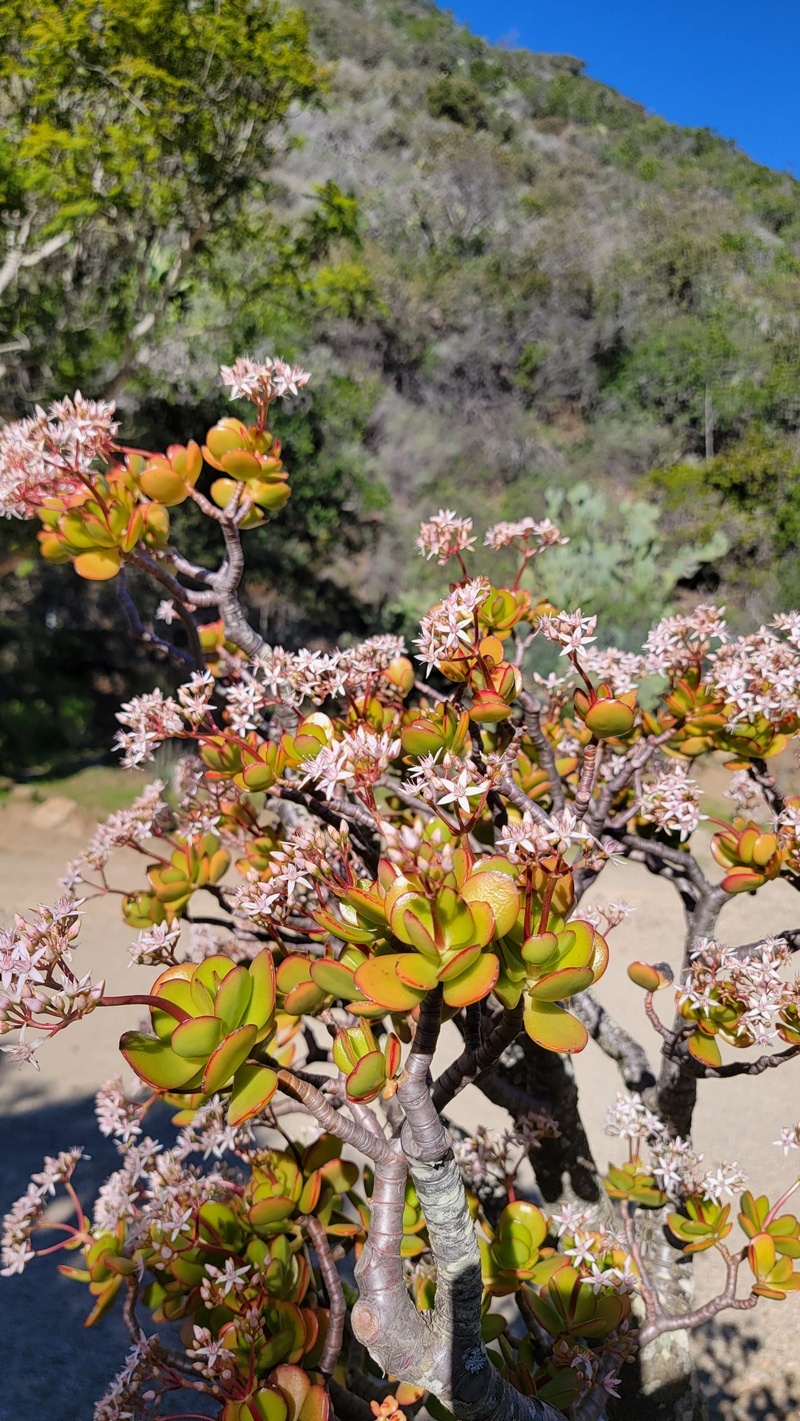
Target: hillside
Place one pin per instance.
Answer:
(565, 289)
(559, 302)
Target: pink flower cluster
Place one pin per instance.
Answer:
(53, 453)
(678, 643)
(672, 802)
(450, 626)
(263, 381)
(445, 536)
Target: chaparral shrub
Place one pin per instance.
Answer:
(394, 839)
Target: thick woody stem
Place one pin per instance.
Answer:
(469, 1385)
(424, 1135)
(472, 1064)
(522, 802)
(129, 1317)
(237, 627)
(474, 1389)
(349, 1131)
(547, 755)
(384, 1318)
(591, 765)
(336, 1299)
(442, 1351)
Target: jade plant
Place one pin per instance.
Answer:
(362, 889)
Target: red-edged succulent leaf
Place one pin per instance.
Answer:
(253, 1089)
(335, 979)
(197, 1037)
(600, 957)
(233, 997)
(762, 1254)
(474, 984)
(340, 928)
(202, 1000)
(368, 906)
(155, 1062)
(268, 1404)
(292, 971)
(459, 963)
(565, 982)
(262, 1000)
(295, 1385)
(704, 1049)
(177, 989)
(304, 999)
(212, 971)
(539, 948)
(367, 1078)
(576, 944)
(341, 1175)
(499, 892)
(231, 1053)
(317, 1405)
(550, 1026)
(415, 932)
(392, 1051)
(309, 1197)
(377, 979)
(273, 1210)
(650, 976)
(417, 971)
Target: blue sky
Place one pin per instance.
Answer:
(731, 65)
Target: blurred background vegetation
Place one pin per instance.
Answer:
(518, 292)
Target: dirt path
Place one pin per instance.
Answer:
(750, 1362)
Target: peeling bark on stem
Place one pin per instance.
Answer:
(442, 1350)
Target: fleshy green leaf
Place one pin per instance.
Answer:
(228, 1057)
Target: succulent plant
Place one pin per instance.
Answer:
(219, 1014)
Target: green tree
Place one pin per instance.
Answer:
(137, 139)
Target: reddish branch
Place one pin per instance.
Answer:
(337, 1305)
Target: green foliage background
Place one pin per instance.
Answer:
(517, 291)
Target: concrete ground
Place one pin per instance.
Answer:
(749, 1363)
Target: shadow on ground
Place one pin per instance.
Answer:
(51, 1366)
(732, 1385)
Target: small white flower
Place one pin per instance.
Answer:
(165, 612)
